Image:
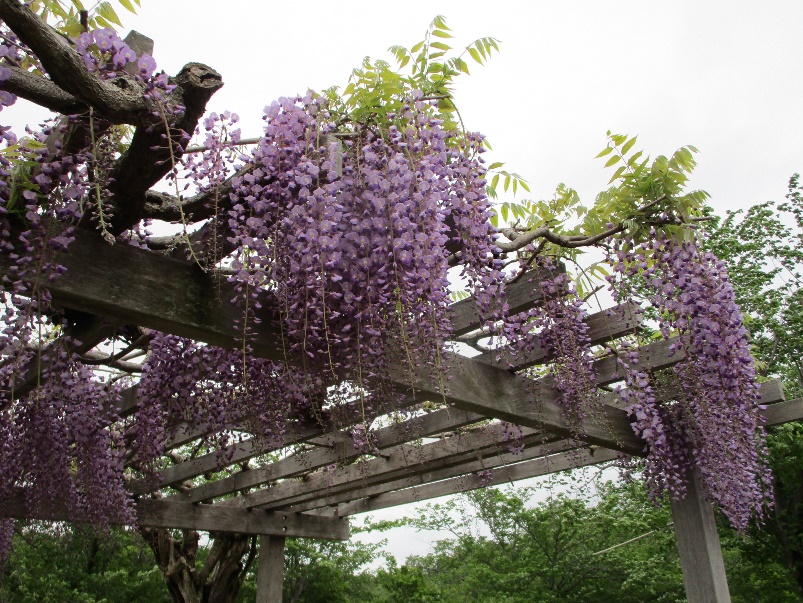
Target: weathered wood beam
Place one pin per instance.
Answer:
(494, 477)
(520, 296)
(135, 286)
(603, 326)
(496, 393)
(792, 410)
(339, 449)
(271, 569)
(160, 513)
(698, 545)
(471, 465)
(396, 462)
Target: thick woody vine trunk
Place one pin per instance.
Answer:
(217, 579)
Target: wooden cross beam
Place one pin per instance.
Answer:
(389, 495)
(771, 394)
(398, 461)
(160, 513)
(474, 463)
(136, 286)
(603, 326)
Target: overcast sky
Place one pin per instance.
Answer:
(723, 76)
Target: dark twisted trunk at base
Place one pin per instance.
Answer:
(217, 580)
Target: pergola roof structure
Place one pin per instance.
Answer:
(300, 495)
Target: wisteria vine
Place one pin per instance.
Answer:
(707, 415)
(348, 231)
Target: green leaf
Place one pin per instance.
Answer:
(440, 23)
(617, 173)
(634, 157)
(604, 152)
(107, 12)
(506, 185)
(475, 55)
(441, 34)
(126, 4)
(524, 185)
(629, 145)
(440, 46)
(496, 165)
(495, 181)
(461, 65)
(612, 161)
(417, 47)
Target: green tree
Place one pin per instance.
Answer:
(75, 565)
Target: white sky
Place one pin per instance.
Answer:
(723, 76)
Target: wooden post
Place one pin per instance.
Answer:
(271, 569)
(698, 545)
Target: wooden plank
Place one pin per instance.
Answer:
(213, 461)
(340, 449)
(398, 461)
(160, 513)
(270, 572)
(784, 412)
(501, 475)
(472, 465)
(603, 326)
(600, 329)
(136, 286)
(520, 296)
(455, 464)
(496, 393)
(770, 392)
(698, 544)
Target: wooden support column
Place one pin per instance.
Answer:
(271, 569)
(698, 545)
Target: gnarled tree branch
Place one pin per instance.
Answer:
(117, 101)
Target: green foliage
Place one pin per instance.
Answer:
(77, 566)
(376, 92)
(763, 248)
(645, 193)
(66, 15)
(322, 571)
(613, 547)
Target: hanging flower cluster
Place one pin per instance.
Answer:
(557, 327)
(59, 442)
(348, 234)
(225, 391)
(710, 419)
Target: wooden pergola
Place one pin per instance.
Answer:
(300, 495)
(295, 496)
